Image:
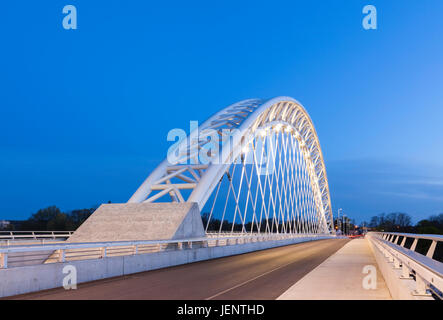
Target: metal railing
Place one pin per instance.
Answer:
(22, 255)
(34, 235)
(400, 249)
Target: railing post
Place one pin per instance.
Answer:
(405, 271)
(103, 252)
(402, 244)
(3, 260)
(431, 250)
(61, 255)
(414, 244)
(420, 288)
(385, 252)
(396, 263)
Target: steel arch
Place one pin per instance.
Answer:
(247, 116)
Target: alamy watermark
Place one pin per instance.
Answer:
(370, 19)
(70, 280)
(370, 281)
(70, 19)
(227, 146)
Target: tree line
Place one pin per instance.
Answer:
(52, 219)
(402, 222)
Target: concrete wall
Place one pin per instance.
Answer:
(40, 277)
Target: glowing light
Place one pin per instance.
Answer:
(277, 127)
(263, 132)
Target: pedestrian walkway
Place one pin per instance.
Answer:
(340, 277)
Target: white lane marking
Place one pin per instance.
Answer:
(250, 280)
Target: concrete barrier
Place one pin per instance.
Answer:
(34, 278)
(399, 288)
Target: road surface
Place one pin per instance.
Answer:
(258, 275)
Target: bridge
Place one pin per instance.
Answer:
(239, 209)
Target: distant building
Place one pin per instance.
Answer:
(4, 224)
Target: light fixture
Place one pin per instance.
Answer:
(263, 132)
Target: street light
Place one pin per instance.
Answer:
(338, 220)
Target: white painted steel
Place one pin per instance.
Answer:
(247, 118)
(34, 235)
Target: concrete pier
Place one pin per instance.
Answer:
(141, 221)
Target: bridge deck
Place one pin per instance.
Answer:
(340, 277)
(263, 274)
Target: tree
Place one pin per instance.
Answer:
(53, 219)
(428, 226)
(77, 217)
(58, 223)
(39, 220)
(392, 222)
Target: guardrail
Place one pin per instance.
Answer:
(416, 260)
(21, 255)
(34, 235)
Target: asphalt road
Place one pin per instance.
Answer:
(259, 275)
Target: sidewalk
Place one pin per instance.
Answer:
(340, 277)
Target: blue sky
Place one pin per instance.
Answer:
(84, 113)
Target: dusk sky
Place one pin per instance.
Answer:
(84, 113)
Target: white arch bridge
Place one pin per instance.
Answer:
(251, 177)
(255, 166)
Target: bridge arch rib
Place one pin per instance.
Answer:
(275, 133)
